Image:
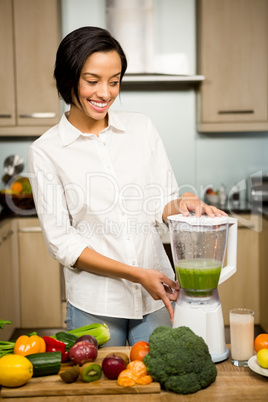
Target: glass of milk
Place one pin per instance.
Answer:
(242, 336)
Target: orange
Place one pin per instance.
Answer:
(147, 379)
(261, 342)
(138, 368)
(126, 378)
(17, 187)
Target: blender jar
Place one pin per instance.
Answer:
(198, 248)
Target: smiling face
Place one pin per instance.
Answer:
(98, 88)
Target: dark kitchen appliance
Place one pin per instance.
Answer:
(258, 193)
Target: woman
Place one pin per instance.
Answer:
(102, 182)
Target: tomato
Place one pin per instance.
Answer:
(261, 342)
(139, 350)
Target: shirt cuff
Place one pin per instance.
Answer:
(160, 206)
(70, 255)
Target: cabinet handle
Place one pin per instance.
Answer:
(34, 229)
(5, 116)
(44, 115)
(6, 236)
(235, 111)
(247, 227)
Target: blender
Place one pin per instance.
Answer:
(198, 247)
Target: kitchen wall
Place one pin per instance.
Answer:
(198, 160)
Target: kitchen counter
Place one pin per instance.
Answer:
(7, 214)
(244, 207)
(232, 384)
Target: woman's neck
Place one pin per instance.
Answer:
(85, 123)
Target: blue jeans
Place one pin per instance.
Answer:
(122, 330)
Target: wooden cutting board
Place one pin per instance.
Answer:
(54, 386)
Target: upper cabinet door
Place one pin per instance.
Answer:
(36, 42)
(29, 38)
(233, 50)
(7, 84)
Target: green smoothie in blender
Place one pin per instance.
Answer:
(198, 276)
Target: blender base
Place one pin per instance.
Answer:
(204, 317)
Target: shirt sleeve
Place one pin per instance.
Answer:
(163, 173)
(63, 242)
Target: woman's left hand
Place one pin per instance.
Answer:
(189, 202)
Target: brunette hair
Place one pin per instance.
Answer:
(73, 52)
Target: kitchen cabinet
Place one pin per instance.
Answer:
(263, 249)
(233, 57)
(40, 282)
(242, 289)
(9, 274)
(29, 37)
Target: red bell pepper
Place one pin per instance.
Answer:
(53, 345)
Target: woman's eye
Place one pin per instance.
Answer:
(114, 83)
(92, 82)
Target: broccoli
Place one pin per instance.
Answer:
(179, 360)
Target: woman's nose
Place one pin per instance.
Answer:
(103, 91)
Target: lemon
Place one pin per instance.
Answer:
(262, 358)
(15, 370)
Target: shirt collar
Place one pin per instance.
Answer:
(68, 133)
(115, 122)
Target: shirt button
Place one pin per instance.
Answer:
(133, 262)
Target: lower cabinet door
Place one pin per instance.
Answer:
(40, 291)
(242, 289)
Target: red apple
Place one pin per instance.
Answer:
(121, 354)
(112, 366)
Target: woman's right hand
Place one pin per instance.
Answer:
(160, 287)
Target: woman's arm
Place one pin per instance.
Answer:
(158, 285)
(190, 202)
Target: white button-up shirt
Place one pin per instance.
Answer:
(106, 193)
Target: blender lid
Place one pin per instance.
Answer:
(199, 221)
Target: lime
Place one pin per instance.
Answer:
(15, 370)
(262, 358)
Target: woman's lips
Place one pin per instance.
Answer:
(99, 106)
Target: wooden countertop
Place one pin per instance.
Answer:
(232, 384)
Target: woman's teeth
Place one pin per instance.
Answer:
(98, 104)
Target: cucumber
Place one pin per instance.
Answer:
(47, 363)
